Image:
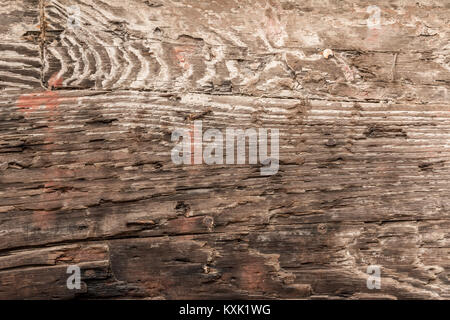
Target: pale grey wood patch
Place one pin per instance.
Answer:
(254, 47)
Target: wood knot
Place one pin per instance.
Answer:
(209, 222)
(322, 228)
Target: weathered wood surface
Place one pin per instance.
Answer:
(86, 176)
(20, 62)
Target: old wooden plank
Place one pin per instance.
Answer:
(253, 47)
(20, 63)
(42, 272)
(280, 261)
(86, 176)
(355, 181)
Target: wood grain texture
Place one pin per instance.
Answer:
(20, 61)
(265, 48)
(86, 176)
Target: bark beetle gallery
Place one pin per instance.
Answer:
(92, 205)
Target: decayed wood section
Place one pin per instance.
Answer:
(87, 179)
